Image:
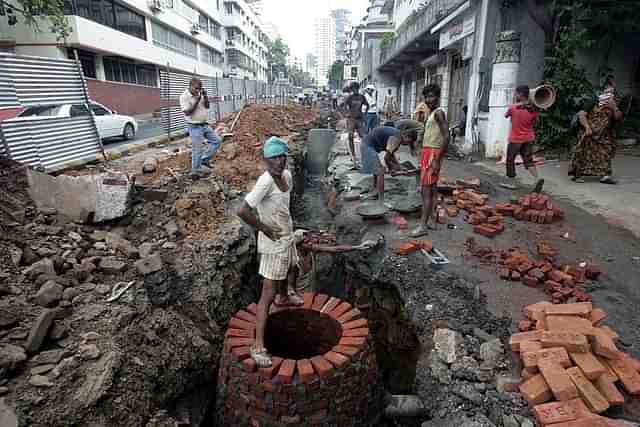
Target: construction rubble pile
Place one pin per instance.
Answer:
(572, 368)
(120, 322)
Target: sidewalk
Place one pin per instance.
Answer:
(618, 204)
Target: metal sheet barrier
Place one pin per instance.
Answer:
(226, 96)
(47, 142)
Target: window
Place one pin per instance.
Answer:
(87, 60)
(110, 14)
(210, 56)
(171, 40)
(228, 8)
(99, 111)
(46, 110)
(125, 71)
(79, 110)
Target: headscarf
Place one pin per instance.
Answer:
(275, 147)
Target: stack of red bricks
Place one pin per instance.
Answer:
(486, 220)
(533, 207)
(572, 368)
(561, 282)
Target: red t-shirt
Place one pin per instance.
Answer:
(522, 121)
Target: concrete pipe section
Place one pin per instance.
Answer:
(324, 369)
(319, 146)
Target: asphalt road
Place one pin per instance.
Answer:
(146, 129)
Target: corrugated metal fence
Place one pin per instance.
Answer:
(46, 142)
(226, 96)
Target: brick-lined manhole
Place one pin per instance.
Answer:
(324, 369)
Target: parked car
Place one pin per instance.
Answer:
(110, 124)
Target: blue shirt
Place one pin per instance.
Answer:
(379, 137)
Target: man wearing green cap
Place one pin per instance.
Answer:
(276, 241)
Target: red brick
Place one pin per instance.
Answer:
(330, 305)
(241, 353)
(485, 230)
(529, 346)
(319, 302)
(238, 342)
(341, 309)
(608, 389)
(597, 316)
(569, 340)
(610, 332)
(603, 345)
(236, 323)
(525, 325)
(346, 350)
(452, 212)
(516, 339)
(558, 380)
(349, 315)
(358, 332)
(515, 276)
(556, 355)
(286, 371)
(305, 370)
(322, 366)
(268, 373)
(595, 401)
(308, 300)
(530, 281)
(240, 333)
(610, 374)
(634, 362)
(253, 308)
(590, 366)
(360, 323)
(558, 412)
(536, 390)
(249, 365)
(352, 341)
(504, 273)
(589, 421)
(246, 316)
(629, 377)
(534, 311)
(569, 324)
(527, 373)
(541, 324)
(537, 273)
(582, 309)
(524, 267)
(338, 360)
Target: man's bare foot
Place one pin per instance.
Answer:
(295, 299)
(261, 356)
(288, 300)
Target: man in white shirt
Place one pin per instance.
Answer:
(195, 106)
(371, 117)
(276, 240)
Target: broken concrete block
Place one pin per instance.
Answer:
(448, 344)
(11, 356)
(150, 264)
(39, 330)
(49, 294)
(111, 265)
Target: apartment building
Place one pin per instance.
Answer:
(342, 21)
(246, 51)
(324, 48)
(124, 44)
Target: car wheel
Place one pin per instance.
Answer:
(129, 132)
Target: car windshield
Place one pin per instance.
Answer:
(42, 110)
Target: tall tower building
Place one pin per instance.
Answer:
(343, 27)
(257, 6)
(324, 47)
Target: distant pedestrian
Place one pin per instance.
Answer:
(371, 116)
(334, 99)
(434, 144)
(523, 118)
(270, 197)
(596, 144)
(391, 110)
(354, 105)
(195, 106)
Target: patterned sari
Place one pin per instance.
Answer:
(593, 154)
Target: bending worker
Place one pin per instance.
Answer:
(383, 142)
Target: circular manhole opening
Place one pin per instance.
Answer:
(301, 334)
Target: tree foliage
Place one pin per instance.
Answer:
(278, 53)
(30, 11)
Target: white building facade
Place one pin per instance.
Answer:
(324, 48)
(124, 44)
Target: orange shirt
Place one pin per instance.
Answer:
(522, 122)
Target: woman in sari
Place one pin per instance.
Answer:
(596, 144)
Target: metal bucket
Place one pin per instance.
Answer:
(318, 148)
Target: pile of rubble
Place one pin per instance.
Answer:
(570, 357)
(563, 282)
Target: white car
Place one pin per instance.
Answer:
(110, 124)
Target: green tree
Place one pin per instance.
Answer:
(299, 77)
(336, 74)
(29, 12)
(278, 53)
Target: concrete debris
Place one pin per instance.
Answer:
(39, 330)
(40, 381)
(11, 356)
(48, 357)
(8, 417)
(88, 351)
(448, 344)
(150, 264)
(492, 351)
(49, 294)
(41, 369)
(402, 406)
(44, 267)
(150, 165)
(111, 265)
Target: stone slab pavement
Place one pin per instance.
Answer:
(618, 204)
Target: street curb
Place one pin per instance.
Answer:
(117, 152)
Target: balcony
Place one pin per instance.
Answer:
(413, 40)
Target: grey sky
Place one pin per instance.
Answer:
(294, 19)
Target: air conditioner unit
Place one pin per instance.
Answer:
(156, 5)
(195, 29)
